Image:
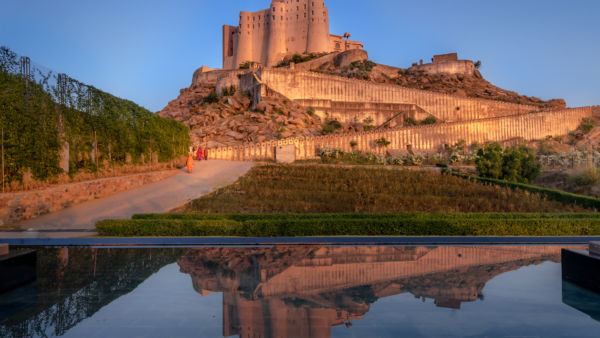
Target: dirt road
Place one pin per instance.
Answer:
(162, 196)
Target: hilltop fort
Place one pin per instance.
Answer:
(286, 28)
(287, 81)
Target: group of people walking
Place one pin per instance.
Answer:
(196, 154)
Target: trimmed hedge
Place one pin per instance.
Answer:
(345, 226)
(397, 215)
(553, 194)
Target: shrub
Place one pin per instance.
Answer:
(364, 67)
(353, 144)
(586, 125)
(477, 64)
(298, 58)
(409, 122)
(382, 142)
(211, 98)
(516, 164)
(429, 120)
(330, 127)
(584, 176)
(329, 154)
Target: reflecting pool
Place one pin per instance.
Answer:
(298, 291)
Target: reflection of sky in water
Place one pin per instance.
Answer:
(164, 305)
(525, 302)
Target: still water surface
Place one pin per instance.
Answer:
(300, 291)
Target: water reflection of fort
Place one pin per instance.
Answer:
(304, 291)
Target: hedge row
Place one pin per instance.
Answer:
(395, 215)
(339, 226)
(553, 194)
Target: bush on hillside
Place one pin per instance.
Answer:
(515, 164)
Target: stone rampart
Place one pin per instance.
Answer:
(212, 77)
(300, 85)
(349, 112)
(429, 138)
(19, 206)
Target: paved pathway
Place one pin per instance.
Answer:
(158, 197)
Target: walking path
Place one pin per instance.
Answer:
(78, 221)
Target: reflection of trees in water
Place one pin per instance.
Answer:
(73, 284)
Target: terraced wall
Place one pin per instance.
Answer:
(429, 138)
(301, 85)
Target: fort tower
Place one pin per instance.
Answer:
(286, 28)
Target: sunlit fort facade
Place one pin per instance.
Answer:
(286, 28)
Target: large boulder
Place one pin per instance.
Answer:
(344, 59)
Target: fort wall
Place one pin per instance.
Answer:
(300, 85)
(465, 67)
(534, 126)
(287, 27)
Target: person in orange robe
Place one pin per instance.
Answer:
(190, 163)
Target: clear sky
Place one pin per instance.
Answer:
(146, 50)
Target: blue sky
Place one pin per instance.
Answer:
(146, 50)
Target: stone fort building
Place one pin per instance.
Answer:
(289, 27)
(286, 28)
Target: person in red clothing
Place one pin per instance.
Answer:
(190, 163)
(199, 154)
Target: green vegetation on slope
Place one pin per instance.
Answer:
(35, 126)
(304, 189)
(588, 202)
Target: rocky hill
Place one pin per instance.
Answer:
(228, 120)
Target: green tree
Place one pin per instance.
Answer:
(515, 164)
(489, 161)
(530, 168)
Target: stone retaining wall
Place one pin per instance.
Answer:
(534, 126)
(302, 85)
(19, 206)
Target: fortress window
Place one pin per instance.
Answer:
(297, 16)
(274, 9)
(273, 17)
